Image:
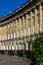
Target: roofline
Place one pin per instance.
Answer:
(18, 9)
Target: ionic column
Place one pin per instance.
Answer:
(29, 26)
(27, 46)
(8, 31)
(20, 27)
(27, 23)
(31, 22)
(12, 29)
(0, 33)
(24, 26)
(16, 46)
(20, 46)
(16, 28)
(36, 21)
(41, 21)
(6, 45)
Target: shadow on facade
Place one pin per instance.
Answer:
(2, 52)
(11, 52)
(20, 53)
(23, 53)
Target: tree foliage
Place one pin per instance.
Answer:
(37, 51)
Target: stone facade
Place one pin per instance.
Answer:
(20, 26)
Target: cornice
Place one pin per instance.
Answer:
(14, 12)
(19, 9)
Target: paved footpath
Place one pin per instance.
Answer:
(13, 60)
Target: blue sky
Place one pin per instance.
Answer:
(7, 6)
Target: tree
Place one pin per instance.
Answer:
(37, 51)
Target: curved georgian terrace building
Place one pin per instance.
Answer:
(17, 28)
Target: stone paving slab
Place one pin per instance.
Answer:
(12, 60)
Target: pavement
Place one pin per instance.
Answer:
(13, 60)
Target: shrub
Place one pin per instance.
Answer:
(37, 51)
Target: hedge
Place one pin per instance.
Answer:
(37, 51)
